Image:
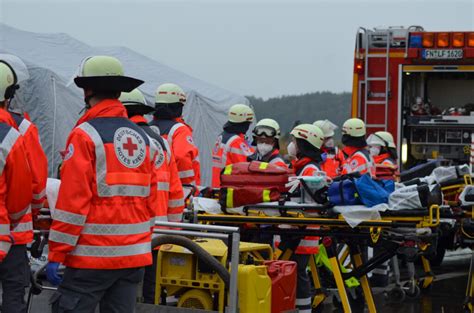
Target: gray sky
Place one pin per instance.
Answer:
(262, 47)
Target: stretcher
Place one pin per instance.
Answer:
(395, 232)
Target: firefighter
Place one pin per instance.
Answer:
(308, 140)
(383, 150)
(333, 158)
(170, 191)
(107, 200)
(169, 102)
(35, 153)
(15, 206)
(231, 146)
(266, 135)
(357, 157)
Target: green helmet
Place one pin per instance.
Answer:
(240, 113)
(354, 127)
(7, 80)
(12, 72)
(170, 93)
(309, 132)
(135, 100)
(104, 73)
(267, 127)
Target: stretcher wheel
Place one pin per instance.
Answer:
(395, 295)
(414, 294)
(427, 289)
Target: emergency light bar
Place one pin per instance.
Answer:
(441, 40)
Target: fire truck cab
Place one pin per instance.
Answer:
(419, 86)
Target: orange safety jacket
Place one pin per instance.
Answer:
(333, 163)
(36, 158)
(107, 201)
(385, 167)
(309, 244)
(21, 222)
(358, 160)
(170, 191)
(180, 138)
(273, 158)
(229, 149)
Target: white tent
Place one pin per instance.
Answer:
(54, 106)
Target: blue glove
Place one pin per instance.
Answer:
(324, 156)
(52, 273)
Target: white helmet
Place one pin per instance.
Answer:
(354, 127)
(327, 127)
(137, 99)
(240, 113)
(12, 72)
(311, 133)
(268, 128)
(381, 138)
(170, 93)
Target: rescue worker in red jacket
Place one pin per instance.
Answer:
(357, 157)
(170, 191)
(266, 136)
(333, 158)
(231, 146)
(383, 150)
(35, 153)
(308, 140)
(15, 205)
(107, 201)
(168, 118)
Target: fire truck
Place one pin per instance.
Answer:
(419, 86)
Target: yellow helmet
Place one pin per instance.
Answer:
(311, 133)
(135, 98)
(240, 113)
(268, 128)
(353, 127)
(7, 81)
(381, 138)
(327, 127)
(104, 73)
(170, 93)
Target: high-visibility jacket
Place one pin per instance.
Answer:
(15, 186)
(273, 158)
(170, 191)
(107, 201)
(358, 160)
(333, 163)
(385, 167)
(309, 244)
(180, 138)
(36, 158)
(229, 149)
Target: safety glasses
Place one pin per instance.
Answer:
(261, 131)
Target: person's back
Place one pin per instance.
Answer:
(231, 146)
(169, 101)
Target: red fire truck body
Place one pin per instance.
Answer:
(419, 86)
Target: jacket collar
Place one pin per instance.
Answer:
(105, 108)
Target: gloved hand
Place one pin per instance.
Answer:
(52, 273)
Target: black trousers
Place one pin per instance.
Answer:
(149, 281)
(115, 291)
(15, 277)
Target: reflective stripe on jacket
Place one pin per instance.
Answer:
(185, 152)
(39, 170)
(359, 160)
(15, 185)
(107, 200)
(228, 149)
(273, 158)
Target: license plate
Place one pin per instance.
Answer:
(442, 54)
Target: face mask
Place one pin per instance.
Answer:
(374, 150)
(291, 149)
(329, 143)
(264, 148)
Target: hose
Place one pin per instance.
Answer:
(200, 253)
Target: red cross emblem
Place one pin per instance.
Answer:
(130, 146)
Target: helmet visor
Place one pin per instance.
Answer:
(263, 131)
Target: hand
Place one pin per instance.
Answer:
(52, 273)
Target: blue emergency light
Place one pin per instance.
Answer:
(415, 41)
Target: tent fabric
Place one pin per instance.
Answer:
(53, 60)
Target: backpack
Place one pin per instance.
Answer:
(252, 183)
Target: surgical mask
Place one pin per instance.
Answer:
(264, 148)
(329, 143)
(292, 149)
(374, 150)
